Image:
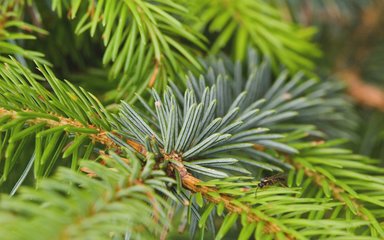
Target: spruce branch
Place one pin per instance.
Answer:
(195, 185)
(21, 89)
(67, 122)
(13, 30)
(325, 106)
(237, 196)
(348, 178)
(248, 23)
(99, 136)
(157, 29)
(198, 153)
(232, 133)
(119, 201)
(256, 218)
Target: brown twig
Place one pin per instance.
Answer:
(192, 184)
(100, 137)
(318, 178)
(362, 43)
(363, 93)
(334, 189)
(154, 74)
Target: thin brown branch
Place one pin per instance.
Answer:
(336, 191)
(193, 184)
(154, 74)
(318, 178)
(363, 93)
(362, 42)
(100, 137)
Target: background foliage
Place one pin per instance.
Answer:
(190, 119)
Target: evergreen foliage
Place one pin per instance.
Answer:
(117, 200)
(244, 146)
(151, 39)
(352, 42)
(14, 29)
(226, 142)
(255, 23)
